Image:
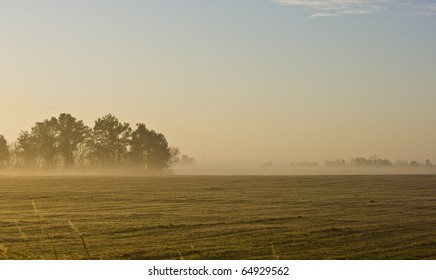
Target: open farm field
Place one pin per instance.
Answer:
(218, 217)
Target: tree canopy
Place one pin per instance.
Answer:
(72, 133)
(110, 140)
(66, 142)
(150, 149)
(4, 151)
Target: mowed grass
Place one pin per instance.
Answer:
(218, 217)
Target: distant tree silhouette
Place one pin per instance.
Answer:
(337, 162)
(4, 151)
(138, 146)
(413, 163)
(306, 163)
(109, 140)
(268, 164)
(71, 134)
(150, 150)
(27, 149)
(174, 156)
(46, 134)
(158, 152)
(82, 155)
(64, 142)
(372, 161)
(401, 163)
(187, 160)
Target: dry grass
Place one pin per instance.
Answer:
(218, 217)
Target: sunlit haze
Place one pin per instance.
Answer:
(231, 83)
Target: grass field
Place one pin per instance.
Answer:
(218, 217)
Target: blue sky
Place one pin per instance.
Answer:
(239, 81)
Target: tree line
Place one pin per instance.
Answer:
(372, 161)
(66, 142)
(375, 161)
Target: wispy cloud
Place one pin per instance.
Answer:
(330, 8)
(426, 9)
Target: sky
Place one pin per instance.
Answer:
(232, 82)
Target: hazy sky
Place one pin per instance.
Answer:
(239, 81)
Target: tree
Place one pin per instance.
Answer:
(110, 140)
(27, 149)
(71, 134)
(174, 156)
(372, 161)
(187, 160)
(150, 150)
(45, 134)
(159, 155)
(82, 155)
(66, 141)
(4, 151)
(337, 162)
(138, 146)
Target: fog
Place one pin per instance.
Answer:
(231, 84)
(296, 169)
(65, 145)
